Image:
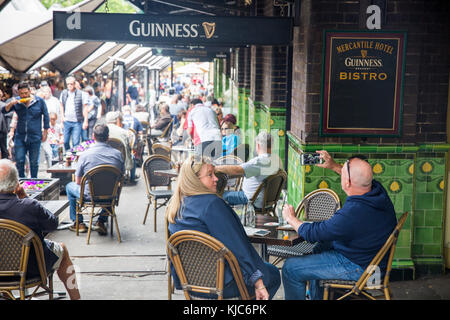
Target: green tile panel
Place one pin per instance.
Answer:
(414, 177)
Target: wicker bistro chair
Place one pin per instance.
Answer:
(165, 133)
(161, 149)
(364, 287)
(221, 182)
(145, 125)
(105, 185)
(233, 184)
(152, 163)
(271, 188)
(132, 135)
(16, 241)
(318, 205)
(119, 145)
(199, 261)
(149, 144)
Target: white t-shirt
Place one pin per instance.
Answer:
(255, 171)
(205, 121)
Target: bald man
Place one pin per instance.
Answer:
(349, 240)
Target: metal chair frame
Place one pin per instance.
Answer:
(158, 148)
(269, 206)
(361, 288)
(237, 182)
(221, 183)
(14, 265)
(107, 202)
(209, 253)
(166, 132)
(150, 186)
(119, 145)
(133, 137)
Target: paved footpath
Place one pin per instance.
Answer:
(136, 268)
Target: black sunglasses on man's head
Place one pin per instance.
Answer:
(359, 156)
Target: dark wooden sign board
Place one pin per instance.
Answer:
(172, 30)
(362, 83)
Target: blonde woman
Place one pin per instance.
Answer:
(196, 206)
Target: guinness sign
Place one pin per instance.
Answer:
(173, 30)
(209, 29)
(362, 83)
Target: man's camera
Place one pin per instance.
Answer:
(310, 158)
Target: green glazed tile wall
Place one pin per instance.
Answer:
(263, 118)
(414, 180)
(429, 205)
(278, 129)
(256, 117)
(218, 84)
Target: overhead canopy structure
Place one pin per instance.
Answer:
(120, 55)
(67, 62)
(27, 32)
(141, 54)
(99, 57)
(154, 63)
(3, 3)
(139, 61)
(59, 50)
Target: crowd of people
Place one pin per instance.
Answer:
(349, 240)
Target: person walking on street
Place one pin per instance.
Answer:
(74, 114)
(31, 113)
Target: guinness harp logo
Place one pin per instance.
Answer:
(364, 53)
(209, 29)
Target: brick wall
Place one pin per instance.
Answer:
(425, 95)
(242, 67)
(268, 69)
(256, 73)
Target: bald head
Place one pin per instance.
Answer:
(360, 179)
(361, 173)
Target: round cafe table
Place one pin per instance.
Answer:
(63, 173)
(171, 173)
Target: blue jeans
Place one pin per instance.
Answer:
(72, 129)
(73, 194)
(314, 267)
(33, 148)
(55, 150)
(271, 281)
(235, 197)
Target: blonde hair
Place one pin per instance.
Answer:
(188, 184)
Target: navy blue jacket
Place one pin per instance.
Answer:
(29, 124)
(30, 213)
(210, 214)
(359, 229)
